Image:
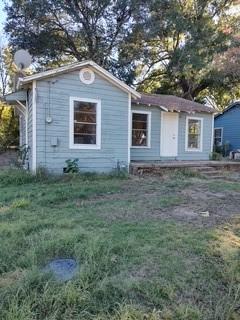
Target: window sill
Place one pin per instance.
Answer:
(193, 150)
(85, 147)
(140, 147)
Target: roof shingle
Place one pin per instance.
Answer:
(172, 103)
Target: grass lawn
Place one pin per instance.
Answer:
(148, 248)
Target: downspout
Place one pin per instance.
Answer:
(212, 144)
(129, 128)
(34, 126)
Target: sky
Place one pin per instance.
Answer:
(2, 19)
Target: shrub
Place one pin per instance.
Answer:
(72, 166)
(215, 156)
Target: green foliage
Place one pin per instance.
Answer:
(73, 31)
(72, 166)
(131, 268)
(223, 150)
(215, 156)
(188, 48)
(8, 127)
(22, 177)
(20, 203)
(183, 41)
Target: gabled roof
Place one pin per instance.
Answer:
(232, 105)
(172, 103)
(75, 66)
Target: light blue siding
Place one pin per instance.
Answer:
(153, 153)
(53, 99)
(230, 122)
(206, 142)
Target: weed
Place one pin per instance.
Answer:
(131, 265)
(20, 203)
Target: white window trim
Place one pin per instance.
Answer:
(217, 128)
(73, 145)
(149, 122)
(201, 135)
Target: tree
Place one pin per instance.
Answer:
(8, 121)
(8, 127)
(58, 30)
(161, 46)
(7, 70)
(182, 43)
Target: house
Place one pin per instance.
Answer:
(82, 111)
(227, 128)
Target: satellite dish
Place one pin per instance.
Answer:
(22, 59)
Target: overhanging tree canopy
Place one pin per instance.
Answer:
(166, 46)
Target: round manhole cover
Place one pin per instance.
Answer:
(62, 269)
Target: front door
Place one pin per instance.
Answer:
(169, 134)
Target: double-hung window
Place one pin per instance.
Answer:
(218, 136)
(85, 123)
(141, 129)
(194, 133)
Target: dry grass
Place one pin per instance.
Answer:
(144, 250)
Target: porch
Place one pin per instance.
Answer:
(210, 168)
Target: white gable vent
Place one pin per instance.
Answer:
(87, 76)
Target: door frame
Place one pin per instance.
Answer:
(161, 132)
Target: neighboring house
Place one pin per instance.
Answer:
(82, 111)
(227, 127)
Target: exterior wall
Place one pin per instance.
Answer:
(53, 99)
(153, 153)
(229, 121)
(206, 142)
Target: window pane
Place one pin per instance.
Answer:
(194, 126)
(84, 122)
(85, 128)
(85, 106)
(84, 139)
(139, 138)
(194, 134)
(139, 129)
(139, 117)
(139, 121)
(193, 141)
(84, 117)
(218, 133)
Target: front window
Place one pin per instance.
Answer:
(85, 123)
(218, 136)
(140, 129)
(194, 134)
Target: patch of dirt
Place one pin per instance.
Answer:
(205, 208)
(140, 199)
(9, 278)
